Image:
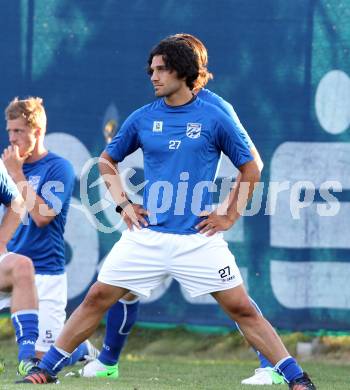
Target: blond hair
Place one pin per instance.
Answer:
(31, 109)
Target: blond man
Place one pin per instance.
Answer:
(45, 181)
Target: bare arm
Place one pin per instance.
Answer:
(257, 158)
(224, 217)
(133, 214)
(243, 190)
(40, 212)
(260, 165)
(222, 208)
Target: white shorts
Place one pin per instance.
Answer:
(52, 293)
(142, 259)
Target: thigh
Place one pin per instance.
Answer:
(204, 265)
(136, 262)
(52, 293)
(8, 263)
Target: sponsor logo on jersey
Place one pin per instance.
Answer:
(157, 126)
(193, 130)
(34, 181)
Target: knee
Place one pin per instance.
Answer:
(22, 270)
(242, 310)
(97, 298)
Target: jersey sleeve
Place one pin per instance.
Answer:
(8, 189)
(59, 183)
(126, 141)
(228, 109)
(229, 140)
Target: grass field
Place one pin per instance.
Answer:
(172, 362)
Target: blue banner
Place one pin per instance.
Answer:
(285, 68)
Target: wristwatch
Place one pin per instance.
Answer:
(122, 205)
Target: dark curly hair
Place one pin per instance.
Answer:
(178, 56)
(198, 46)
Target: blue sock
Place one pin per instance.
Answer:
(264, 362)
(25, 323)
(78, 354)
(120, 319)
(54, 360)
(289, 369)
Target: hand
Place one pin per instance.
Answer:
(213, 223)
(133, 214)
(12, 160)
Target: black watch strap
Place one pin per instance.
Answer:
(122, 205)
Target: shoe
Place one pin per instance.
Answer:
(303, 383)
(264, 376)
(92, 354)
(26, 365)
(38, 376)
(96, 369)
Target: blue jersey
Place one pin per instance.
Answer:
(52, 177)
(8, 189)
(226, 107)
(181, 147)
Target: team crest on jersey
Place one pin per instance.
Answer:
(34, 181)
(193, 130)
(157, 126)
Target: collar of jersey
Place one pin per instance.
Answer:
(193, 99)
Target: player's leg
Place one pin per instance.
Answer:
(264, 362)
(259, 333)
(81, 324)
(134, 251)
(52, 293)
(265, 374)
(121, 317)
(17, 276)
(216, 272)
(254, 327)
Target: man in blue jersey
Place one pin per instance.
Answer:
(175, 232)
(265, 374)
(17, 287)
(45, 181)
(123, 314)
